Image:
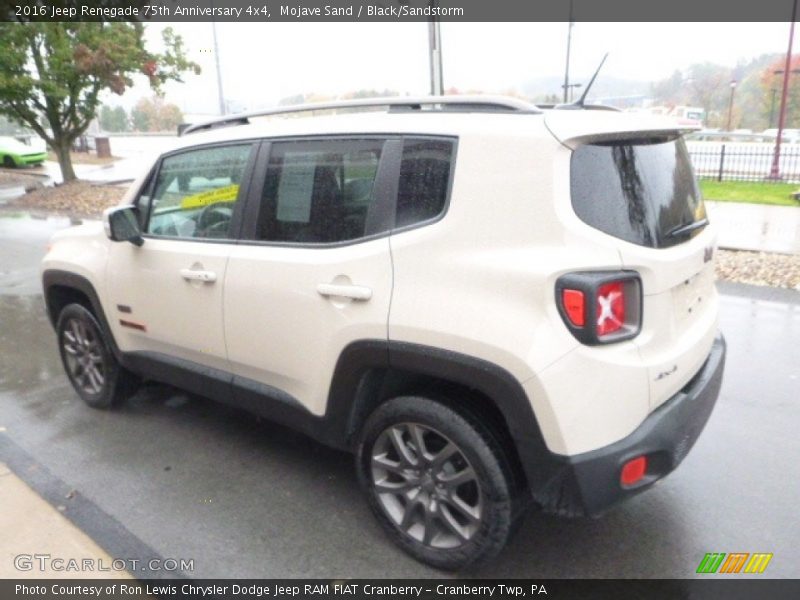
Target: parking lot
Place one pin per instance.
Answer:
(177, 476)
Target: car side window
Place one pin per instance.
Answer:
(424, 180)
(195, 192)
(319, 191)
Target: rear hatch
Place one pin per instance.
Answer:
(631, 178)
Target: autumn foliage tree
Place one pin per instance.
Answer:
(153, 114)
(770, 80)
(52, 74)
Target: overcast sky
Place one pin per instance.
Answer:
(264, 62)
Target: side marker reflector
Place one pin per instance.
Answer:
(633, 470)
(132, 325)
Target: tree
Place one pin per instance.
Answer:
(368, 93)
(51, 74)
(670, 91)
(770, 80)
(709, 89)
(113, 119)
(170, 116)
(153, 114)
(142, 115)
(546, 99)
(292, 100)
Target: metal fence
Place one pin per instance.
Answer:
(743, 161)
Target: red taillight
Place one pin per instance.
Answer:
(633, 470)
(573, 301)
(600, 307)
(610, 308)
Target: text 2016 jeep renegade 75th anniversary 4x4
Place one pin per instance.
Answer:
(490, 304)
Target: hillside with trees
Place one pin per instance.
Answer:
(756, 97)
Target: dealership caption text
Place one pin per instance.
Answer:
(297, 11)
(276, 590)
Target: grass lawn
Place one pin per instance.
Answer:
(754, 192)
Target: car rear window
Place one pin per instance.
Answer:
(641, 191)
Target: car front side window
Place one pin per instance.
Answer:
(195, 192)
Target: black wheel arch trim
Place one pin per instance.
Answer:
(500, 387)
(67, 279)
(347, 395)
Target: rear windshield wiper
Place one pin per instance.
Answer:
(688, 227)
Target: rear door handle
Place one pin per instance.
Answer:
(354, 292)
(195, 275)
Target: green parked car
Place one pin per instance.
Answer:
(14, 153)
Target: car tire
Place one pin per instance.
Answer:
(450, 509)
(88, 361)
(8, 162)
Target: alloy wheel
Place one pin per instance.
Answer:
(426, 486)
(84, 356)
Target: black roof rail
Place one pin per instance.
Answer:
(394, 104)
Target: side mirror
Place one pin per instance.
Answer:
(122, 225)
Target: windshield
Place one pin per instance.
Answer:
(640, 191)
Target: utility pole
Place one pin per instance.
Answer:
(775, 91)
(572, 87)
(772, 106)
(569, 43)
(775, 171)
(435, 52)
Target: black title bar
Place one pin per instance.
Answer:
(396, 589)
(396, 10)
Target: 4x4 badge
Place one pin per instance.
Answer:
(708, 254)
(664, 374)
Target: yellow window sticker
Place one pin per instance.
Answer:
(222, 194)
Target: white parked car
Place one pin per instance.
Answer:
(791, 136)
(490, 305)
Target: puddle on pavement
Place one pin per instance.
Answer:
(28, 353)
(23, 243)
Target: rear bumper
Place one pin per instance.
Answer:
(589, 483)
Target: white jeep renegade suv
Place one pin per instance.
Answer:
(491, 305)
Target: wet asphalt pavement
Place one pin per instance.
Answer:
(181, 477)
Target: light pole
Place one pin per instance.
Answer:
(730, 104)
(435, 51)
(775, 171)
(221, 96)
